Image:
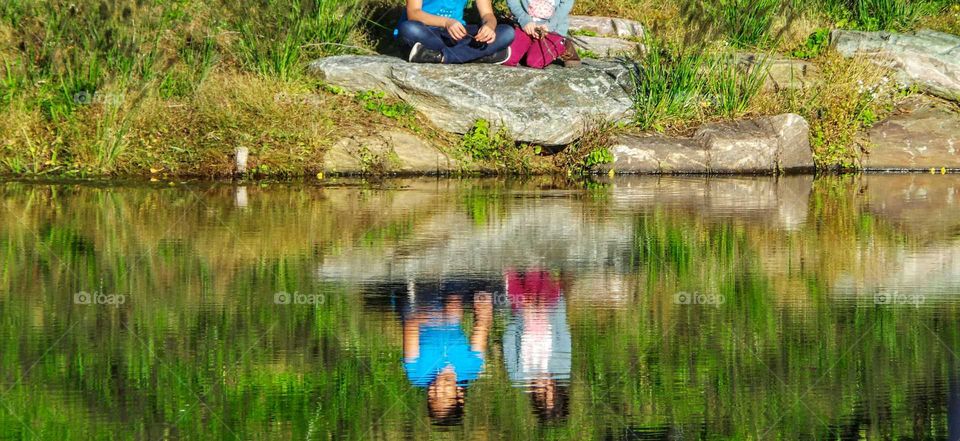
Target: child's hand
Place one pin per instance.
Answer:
(456, 29)
(486, 34)
(530, 29)
(543, 30)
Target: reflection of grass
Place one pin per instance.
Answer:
(391, 232)
(483, 205)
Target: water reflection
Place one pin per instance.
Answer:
(540, 309)
(437, 354)
(537, 345)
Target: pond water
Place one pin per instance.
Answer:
(633, 308)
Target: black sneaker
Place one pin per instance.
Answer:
(499, 57)
(420, 54)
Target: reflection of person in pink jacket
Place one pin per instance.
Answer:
(537, 343)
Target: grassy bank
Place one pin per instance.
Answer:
(134, 87)
(150, 87)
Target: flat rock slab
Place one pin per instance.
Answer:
(606, 26)
(922, 134)
(388, 152)
(763, 145)
(547, 107)
(606, 47)
(782, 73)
(925, 58)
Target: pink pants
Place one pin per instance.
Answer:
(534, 53)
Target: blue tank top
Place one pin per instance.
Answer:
(443, 8)
(443, 345)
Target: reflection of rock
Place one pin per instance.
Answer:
(926, 208)
(601, 289)
(563, 232)
(781, 202)
(908, 277)
(760, 145)
(926, 58)
(919, 204)
(550, 106)
(922, 134)
(606, 26)
(391, 151)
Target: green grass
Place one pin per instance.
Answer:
(77, 77)
(744, 23)
(668, 85)
(674, 84)
(875, 15)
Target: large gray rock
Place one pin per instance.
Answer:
(922, 134)
(548, 107)
(388, 152)
(926, 58)
(606, 26)
(751, 146)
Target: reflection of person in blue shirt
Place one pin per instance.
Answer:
(438, 356)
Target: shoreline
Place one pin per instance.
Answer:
(350, 178)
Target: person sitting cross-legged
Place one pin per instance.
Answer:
(436, 32)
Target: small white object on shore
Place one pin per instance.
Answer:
(241, 155)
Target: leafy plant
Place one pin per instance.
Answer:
(376, 101)
(598, 156)
(482, 143)
(814, 45)
(592, 149)
(495, 148)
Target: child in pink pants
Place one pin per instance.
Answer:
(534, 52)
(540, 34)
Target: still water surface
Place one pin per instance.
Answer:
(637, 308)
